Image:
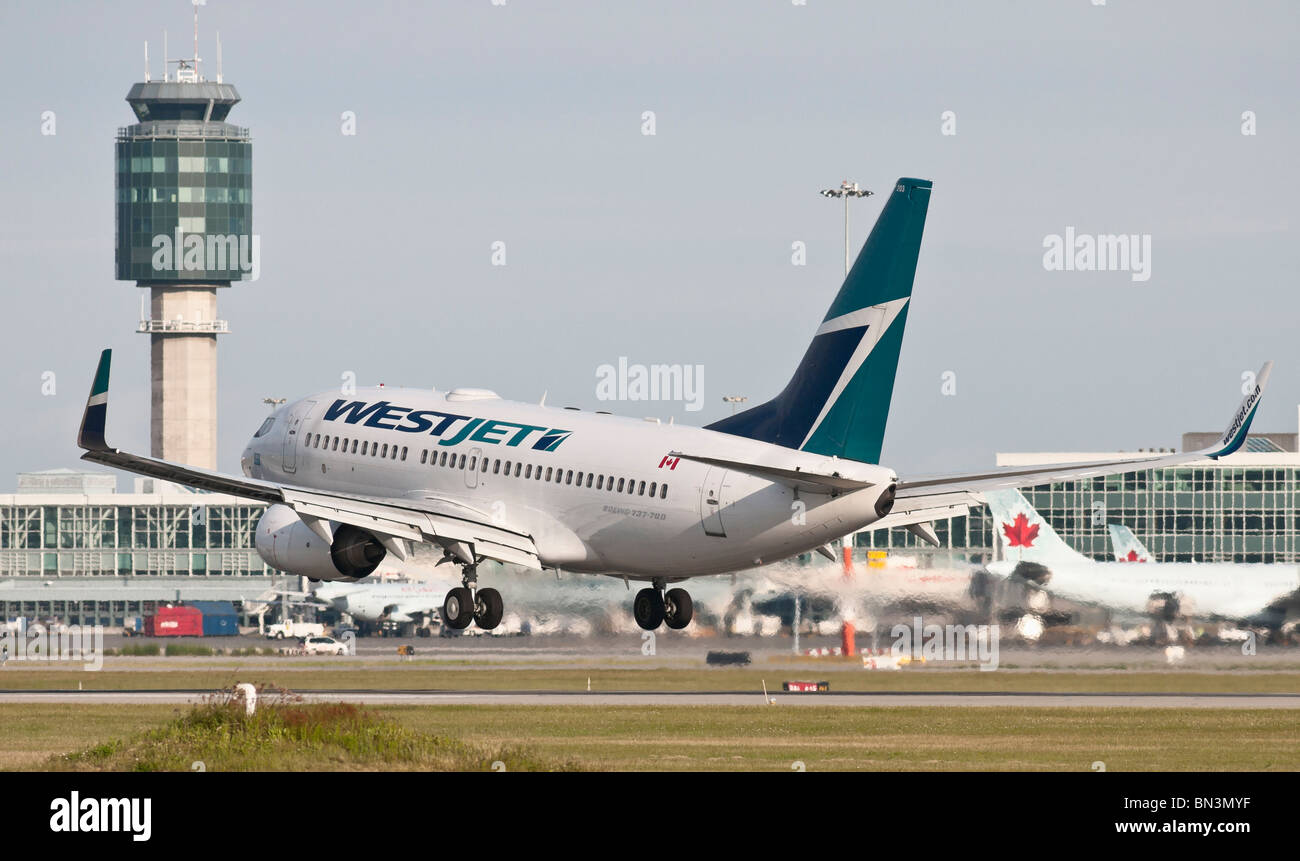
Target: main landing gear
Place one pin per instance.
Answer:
(653, 607)
(468, 603)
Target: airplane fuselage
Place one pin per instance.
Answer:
(597, 492)
(1216, 589)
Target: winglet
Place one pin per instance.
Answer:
(1233, 438)
(91, 435)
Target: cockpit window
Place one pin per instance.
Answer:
(266, 426)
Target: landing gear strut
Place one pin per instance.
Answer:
(468, 603)
(653, 607)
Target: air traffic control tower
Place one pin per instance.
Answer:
(184, 230)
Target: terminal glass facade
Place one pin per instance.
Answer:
(1195, 513)
(151, 539)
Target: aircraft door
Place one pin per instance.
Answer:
(711, 502)
(289, 449)
(472, 466)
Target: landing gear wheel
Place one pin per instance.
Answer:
(458, 608)
(489, 610)
(679, 609)
(648, 609)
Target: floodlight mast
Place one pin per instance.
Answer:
(847, 190)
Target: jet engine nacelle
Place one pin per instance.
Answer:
(284, 542)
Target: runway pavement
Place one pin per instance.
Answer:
(698, 698)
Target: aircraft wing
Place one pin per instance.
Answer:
(930, 492)
(462, 531)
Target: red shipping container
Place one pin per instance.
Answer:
(174, 622)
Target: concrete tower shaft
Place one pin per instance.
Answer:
(182, 329)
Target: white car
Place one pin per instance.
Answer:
(324, 646)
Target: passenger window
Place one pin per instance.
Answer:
(600, 482)
(472, 462)
(652, 489)
(663, 491)
(403, 452)
(528, 471)
(548, 473)
(327, 442)
(631, 486)
(579, 478)
(507, 472)
(354, 446)
(365, 446)
(424, 455)
(442, 461)
(462, 462)
(496, 467)
(620, 485)
(485, 464)
(384, 453)
(568, 477)
(518, 467)
(589, 479)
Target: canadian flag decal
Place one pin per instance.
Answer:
(670, 462)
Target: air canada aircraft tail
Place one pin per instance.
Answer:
(837, 402)
(1024, 534)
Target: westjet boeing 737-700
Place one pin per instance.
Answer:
(352, 479)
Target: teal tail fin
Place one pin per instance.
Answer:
(837, 402)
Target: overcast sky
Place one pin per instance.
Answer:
(522, 123)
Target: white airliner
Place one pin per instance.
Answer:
(353, 478)
(1032, 550)
(412, 602)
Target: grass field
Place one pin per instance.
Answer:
(674, 738)
(358, 676)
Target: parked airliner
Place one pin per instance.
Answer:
(351, 478)
(1255, 593)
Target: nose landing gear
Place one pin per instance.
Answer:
(468, 603)
(653, 607)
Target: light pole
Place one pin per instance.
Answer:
(847, 190)
(733, 400)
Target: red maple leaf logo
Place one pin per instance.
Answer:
(1020, 533)
(1133, 557)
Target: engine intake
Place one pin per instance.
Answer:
(284, 542)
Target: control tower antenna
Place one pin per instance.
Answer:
(197, 4)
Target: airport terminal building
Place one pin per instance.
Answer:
(71, 547)
(1241, 508)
